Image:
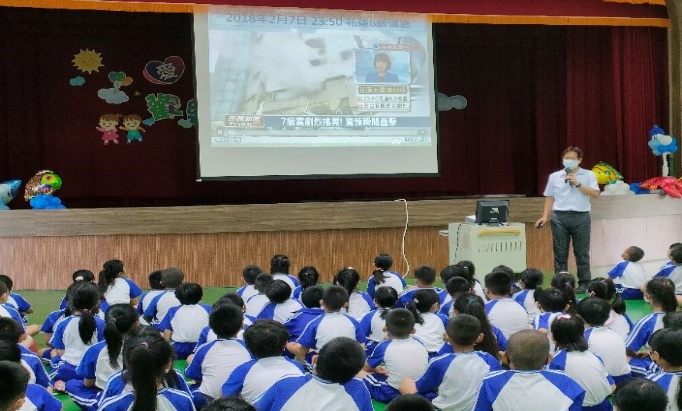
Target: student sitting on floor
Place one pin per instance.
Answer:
(382, 276)
(156, 288)
(13, 386)
(527, 385)
(504, 312)
(171, 278)
(10, 331)
(424, 279)
(531, 280)
(36, 397)
(115, 288)
(640, 394)
(373, 324)
(311, 297)
(249, 273)
(401, 356)
(308, 276)
(255, 303)
(20, 304)
(183, 324)
(454, 378)
(628, 275)
(660, 294)
(618, 319)
(552, 303)
(331, 387)
(280, 306)
(266, 340)
(429, 325)
(359, 302)
(455, 287)
(666, 351)
(279, 270)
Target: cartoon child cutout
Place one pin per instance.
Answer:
(131, 123)
(107, 125)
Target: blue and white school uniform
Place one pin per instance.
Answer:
(326, 327)
(610, 347)
(431, 332)
(590, 373)
(95, 365)
(121, 291)
(478, 290)
(674, 273)
(39, 399)
(20, 304)
(51, 320)
(9, 312)
(507, 315)
(251, 379)
(280, 312)
(372, 326)
(159, 307)
(35, 366)
(456, 377)
(296, 324)
(643, 330)
(247, 291)
(391, 279)
(255, 304)
(145, 300)
(619, 323)
(208, 335)
(359, 304)
(186, 323)
(311, 392)
(670, 381)
(213, 363)
(527, 299)
(629, 277)
(544, 321)
(287, 278)
(118, 384)
(167, 399)
(406, 297)
(66, 338)
(402, 358)
(499, 337)
(447, 308)
(529, 391)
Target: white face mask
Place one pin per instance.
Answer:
(570, 163)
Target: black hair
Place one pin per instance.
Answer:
(673, 320)
(594, 310)
(189, 293)
(634, 253)
(422, 301)
(463, 329)
(233, 298)
(278, 292)
(155, 280)
(551, 300)
(668, 344)
(458, 285)
(10, 351)
(566, 282)
(340, 360)
(661, 291)
(311, 296)
(308, 276)
(119, 320)
(146, 358)
(676, 253)
(383, 262)
(172, 277)
(250, 272)
(8, 281)
(263, 281)
(226, 320)
(528, 350)
(469, 268)
(334, 298)
(83, 275)
(400, 322)
(266, 338)
(85, 298)
(347, 278)
(606, 289)
(532, 278)
(452, 271)
(109, 274)
(386, 297)
(383, 57)
(472, 304)
(13, 382)
(504, 268)
(232, 403)
(279, 264)
(426, 274)
(569, 333)
(410, 402)
(10, 330)
(638, 394)
(3, 288)
(498, 283)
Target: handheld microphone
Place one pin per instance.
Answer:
(568, 170)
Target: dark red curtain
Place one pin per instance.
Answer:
(531, 91)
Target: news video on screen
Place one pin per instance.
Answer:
(291, 92)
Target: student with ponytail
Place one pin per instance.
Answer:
(660, 294)
(308, 277)
(382, 276)
(77, 332)
(494, 340)
(148, 359)
(373, 324)
(606, 289)
(114, 288)
(359, 302)
(429, 325)
(102, 359)
(666, 351)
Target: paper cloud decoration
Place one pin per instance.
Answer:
(660, 142)
(446, 103)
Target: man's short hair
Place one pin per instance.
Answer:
(189, 293)
(463, 329)
(594, 310)
(226, 320)
(400, 322)
(172, 277)
(340, 360)
(528, 350)
(426, 274)
(573, 149)
(266, 338)
(13, 382)
(637, 394)
(335, 297)
(278, 292)
(498, 282)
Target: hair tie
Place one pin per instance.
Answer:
(465, 268)
(471, 300)
(415, 301)
(144, 344)
(113, 319)
(563, 317)
(79, 278)
(85, 311)
(568, 284)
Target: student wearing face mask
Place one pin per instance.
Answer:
(567, 208)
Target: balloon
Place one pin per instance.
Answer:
(127, 81)
(46, 202)
(8, 190)
(44, 182)
(606, 173)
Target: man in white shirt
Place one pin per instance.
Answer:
(567, 199)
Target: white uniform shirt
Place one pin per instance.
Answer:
(567, 197)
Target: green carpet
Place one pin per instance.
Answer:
(45, 302)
